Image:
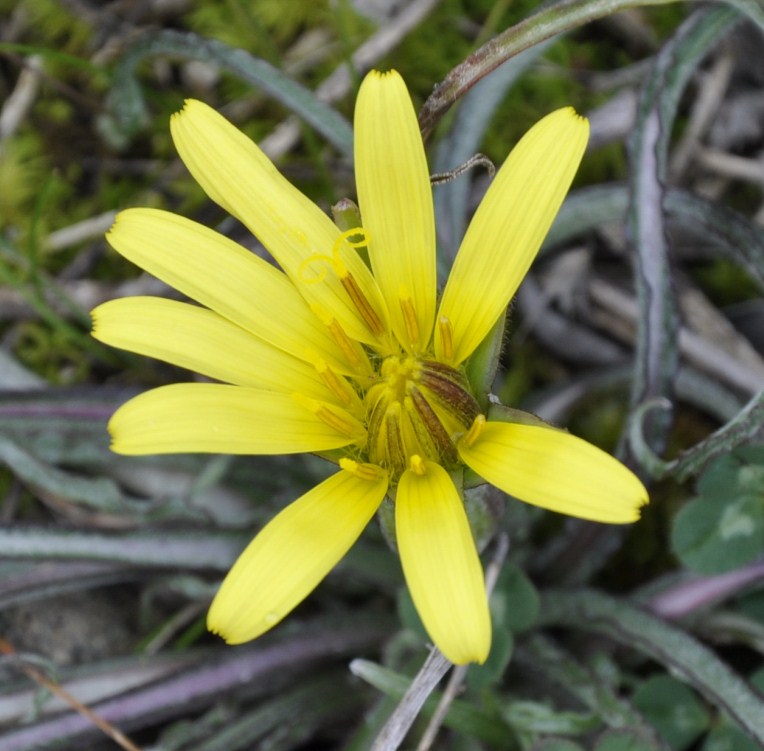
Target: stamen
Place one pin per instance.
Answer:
(338, 385)
(351, 286)
(362, 304)
(344, 342)
(336, 419)
(474, 432)
(409, 316)
(333, 420)
(352, 351)
(417, 465)
(432, 433)
(364, 470)
(395, 452)
(446, 332)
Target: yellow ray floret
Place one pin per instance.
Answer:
(227, 278)
(395, 199)
(554, 470)
(221, 419)
(206, 343)
(507, 230)
(344, 352)
(441, 564)
(293, 553)
(236, 174)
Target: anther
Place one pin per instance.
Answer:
(362, 304)
(446, 332)
(396, 454)
(409, 317)
(431, 433)
(337, 384)
(474, 432)
(336, 419)
(355, 293)
(353, 352)
(333, 420)
(363, 470)
(344, 342)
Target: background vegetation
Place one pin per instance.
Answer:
(640, 328)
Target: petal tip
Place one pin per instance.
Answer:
(189, 105)
(94, 321)
(466, 654)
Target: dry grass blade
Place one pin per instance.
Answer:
(106, 727)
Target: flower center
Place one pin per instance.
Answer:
(416, 407)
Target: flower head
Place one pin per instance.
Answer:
(356, 357)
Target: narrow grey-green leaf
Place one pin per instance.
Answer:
(657, 351)
(536, 718)
(251, 669)
(740, 239)
(315, 702)
(189, 549)
(23, 582)
(740, 429)
(126, 97)
(677, 650)
(731, 234)
(62, 486)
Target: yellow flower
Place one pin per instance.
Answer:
(354, 360)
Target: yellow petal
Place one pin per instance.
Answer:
(507, 230)
(555, 470)
(441, 564)
(293, 553)
(224, 276)
(204, 342)
(220, 419)
(396, 205)
(238, 176)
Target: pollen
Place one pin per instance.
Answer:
(417, 465)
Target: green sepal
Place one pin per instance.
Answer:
(500, 413)
(483, 363)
